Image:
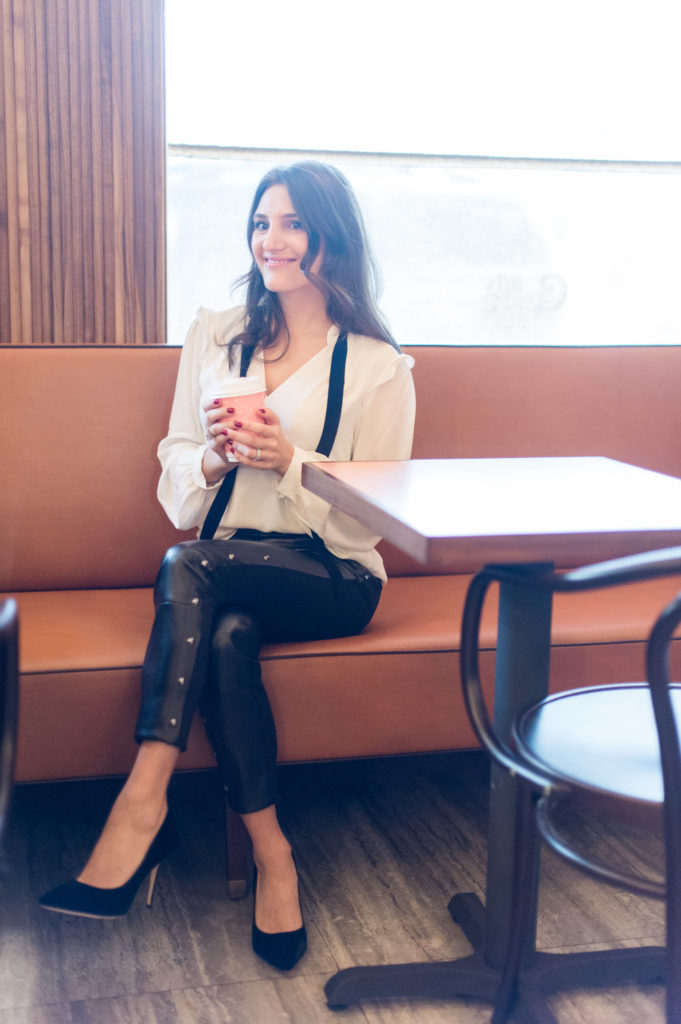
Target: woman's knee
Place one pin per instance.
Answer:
(236, 631)
(183, 573)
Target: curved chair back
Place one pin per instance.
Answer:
(9, 701)
(632, 569)
(670, 757)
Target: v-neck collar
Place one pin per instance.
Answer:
(331, 338)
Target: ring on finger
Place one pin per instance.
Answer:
(209, 436)
(258, 455)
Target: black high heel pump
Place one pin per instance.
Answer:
(90, 901)
(280, 949)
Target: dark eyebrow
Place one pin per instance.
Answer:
(285, 216)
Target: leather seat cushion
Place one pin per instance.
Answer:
(394, 689)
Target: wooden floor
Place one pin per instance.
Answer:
(381, 847)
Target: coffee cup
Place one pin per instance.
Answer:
(246, 396)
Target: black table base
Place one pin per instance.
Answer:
(440, 980)
(471, 977)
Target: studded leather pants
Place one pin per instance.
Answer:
(217, 602)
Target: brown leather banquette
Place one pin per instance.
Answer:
(82, 536)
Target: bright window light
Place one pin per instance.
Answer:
(519, 163)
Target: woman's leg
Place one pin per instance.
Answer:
(241, 727)
(173, 675)
(135, 818)
(277, 907)
(290, 595)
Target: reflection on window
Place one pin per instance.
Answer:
(472, 251)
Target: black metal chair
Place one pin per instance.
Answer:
(9, 698)
(610, 750)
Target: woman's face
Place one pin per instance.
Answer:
(279, 242)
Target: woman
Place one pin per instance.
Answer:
(283, 564)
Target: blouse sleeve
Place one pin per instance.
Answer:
(384, 430)
(182, 489)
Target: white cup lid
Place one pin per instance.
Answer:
(238, 386)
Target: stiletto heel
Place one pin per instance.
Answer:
(152, 883)
(90, 901)
(280, 949)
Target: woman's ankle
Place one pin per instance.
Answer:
(141, 812)
(270, 845)
(129, 831)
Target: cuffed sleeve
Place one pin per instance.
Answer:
(182, 488)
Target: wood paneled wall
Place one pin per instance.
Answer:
(82, 172)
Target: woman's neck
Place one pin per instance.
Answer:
(305, 315)
(307, 327)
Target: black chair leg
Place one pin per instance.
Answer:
(522, 908)
(673, 953)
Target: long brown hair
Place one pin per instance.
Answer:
(348, 278)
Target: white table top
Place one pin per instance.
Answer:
(463, 513)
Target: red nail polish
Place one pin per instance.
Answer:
(231, 410)
(225, 432)
(237, 424)
(263, 411)
(232, 451)
(216, 401)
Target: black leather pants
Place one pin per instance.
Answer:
(217, 602)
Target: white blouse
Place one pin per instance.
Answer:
(377, 422)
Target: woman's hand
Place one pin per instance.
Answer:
(260, 445)
(216, 461)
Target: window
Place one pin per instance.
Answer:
(518, 164)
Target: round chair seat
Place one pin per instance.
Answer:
(601, 740)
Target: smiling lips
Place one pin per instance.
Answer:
(274, 261)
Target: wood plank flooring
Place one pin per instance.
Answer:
(381, 847)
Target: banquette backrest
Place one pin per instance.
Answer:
(79, 427)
